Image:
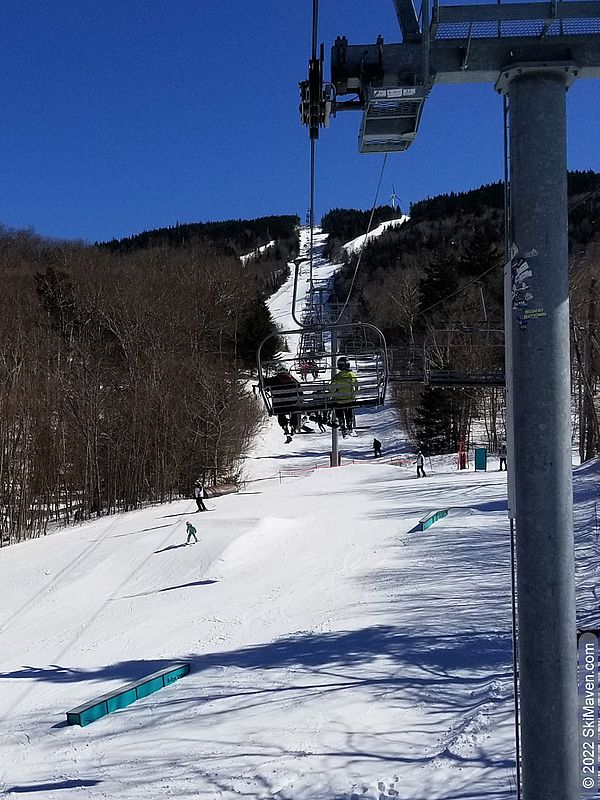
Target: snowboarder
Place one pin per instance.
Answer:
(198, 495)
(420, 465)
(191, 532)
(502, 452)
(376, 448)
(344, 386)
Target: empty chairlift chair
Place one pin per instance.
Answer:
(462, 357)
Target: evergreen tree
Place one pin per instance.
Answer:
(234, 236)
(348, 223)
(434, 422)
(440, 278)
(255, 326)
(481, 253)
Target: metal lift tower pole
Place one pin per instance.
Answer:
(335, 453)
(541, 382)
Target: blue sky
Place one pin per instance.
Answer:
(119, 116)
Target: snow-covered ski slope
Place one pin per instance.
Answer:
(356, 244)
(336, 652)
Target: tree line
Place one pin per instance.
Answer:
(121, 375)
(235, 236)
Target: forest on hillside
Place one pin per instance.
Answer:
(233, 236)
(440, 274)
(121, 373)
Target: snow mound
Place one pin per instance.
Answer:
(261, 544)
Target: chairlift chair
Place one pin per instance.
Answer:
(482, 358)
(369, 365)
(406, 364)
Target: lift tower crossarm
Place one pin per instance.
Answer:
(407, 19)
(500, 12)
(474, 44)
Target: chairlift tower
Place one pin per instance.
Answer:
(531, 53)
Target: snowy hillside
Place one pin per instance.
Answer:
(356, 244)
(336, 652)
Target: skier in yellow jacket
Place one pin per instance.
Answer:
(344, 386)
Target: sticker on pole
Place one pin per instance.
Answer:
(521, 274)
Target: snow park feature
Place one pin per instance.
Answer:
(120, 698)
(428, 519)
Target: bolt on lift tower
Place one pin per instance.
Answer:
(531, 52)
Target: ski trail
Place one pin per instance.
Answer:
(56, 579)
(9, 712)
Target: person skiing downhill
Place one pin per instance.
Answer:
(376, 448)
(344, 386)
(420, 465)
(191, 532)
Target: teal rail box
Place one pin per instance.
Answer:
(481, 458)
(428, 519)
(120, 698)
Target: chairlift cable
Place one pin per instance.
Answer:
(360, 254)
(311, 212)
(315, 29)
(461, 289)
(280, 399)
(314, 38)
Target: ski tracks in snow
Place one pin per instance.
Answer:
(90, 620)
(56, 580)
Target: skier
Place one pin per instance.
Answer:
(420, 462)
(344, 386)
(198, 495)
(376, 448)
(307, 368)
(303, 370)
(191, 532)
(284, 381)
(502, 452)
(320, 419)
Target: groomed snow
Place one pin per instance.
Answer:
(357, 244)
(335, 651)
